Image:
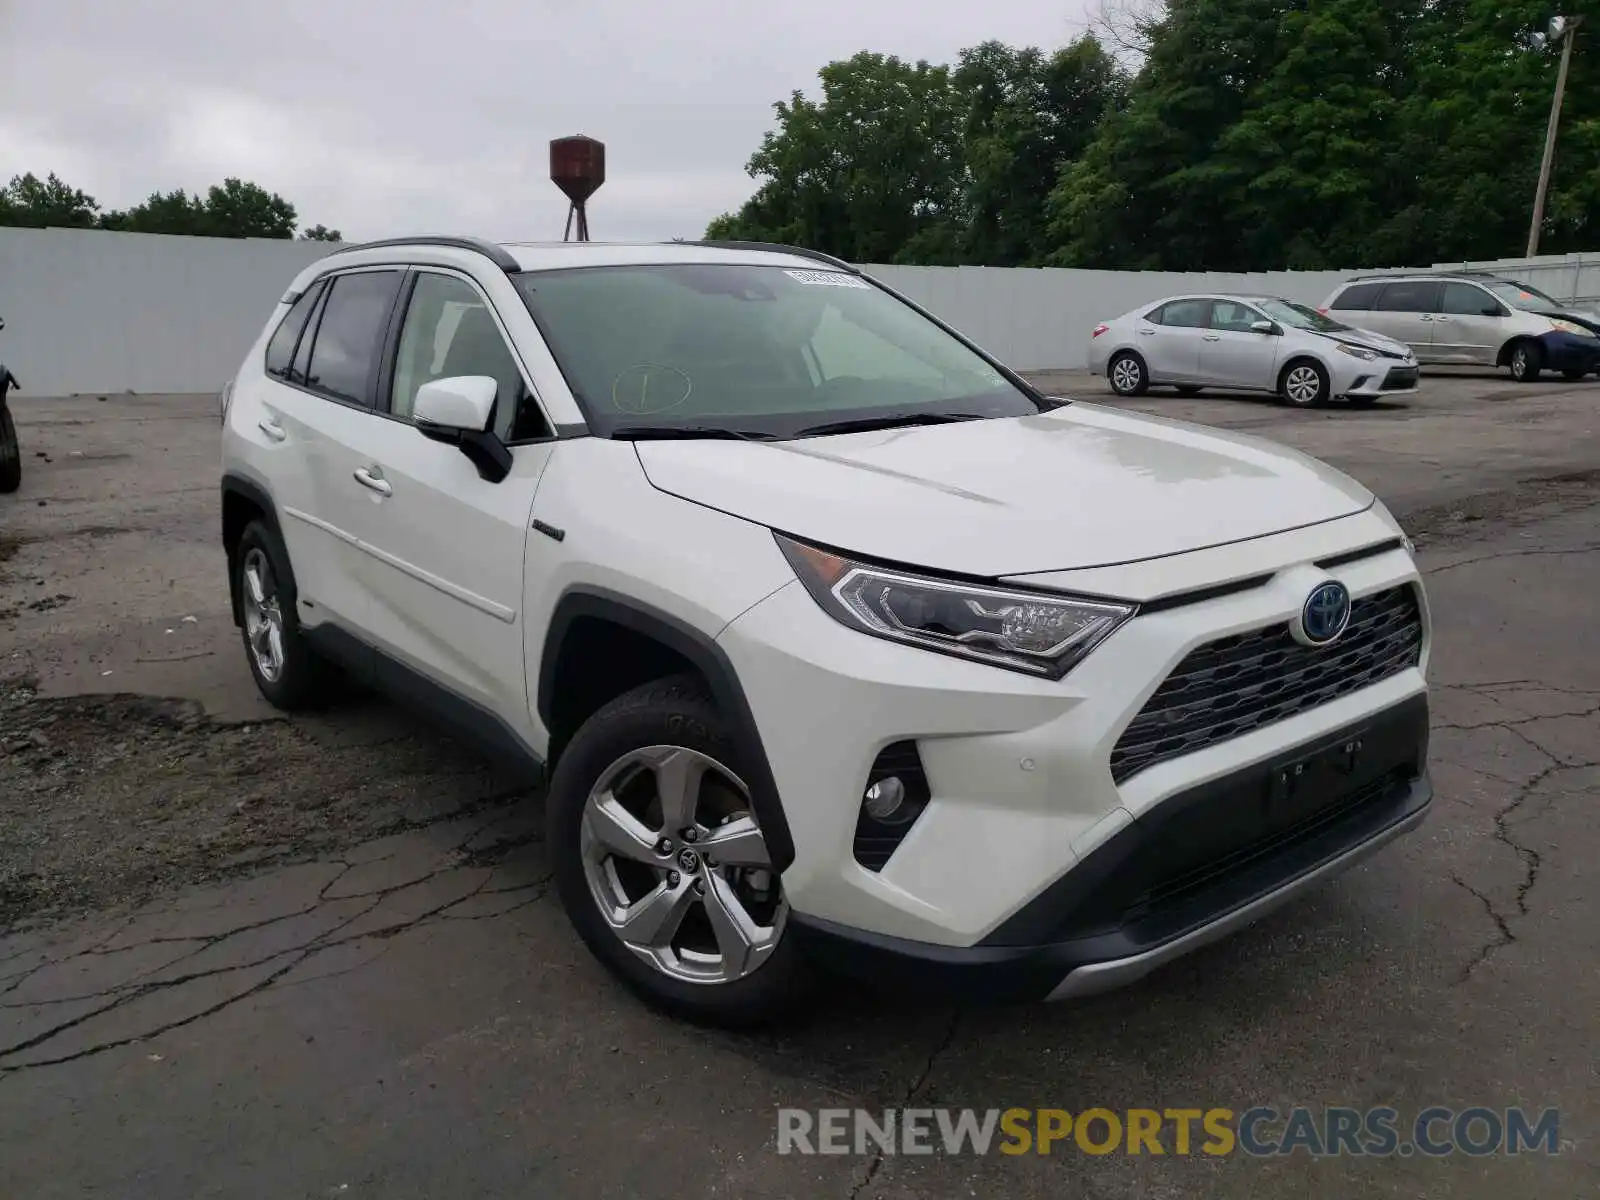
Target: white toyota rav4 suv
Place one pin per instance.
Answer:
(838, 644)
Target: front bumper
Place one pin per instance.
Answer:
(1152, 894)
(1383, 377)
(1569, 352)
(1019, 770)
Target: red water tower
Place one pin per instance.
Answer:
(578, 168)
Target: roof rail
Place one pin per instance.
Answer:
(495, 254)
(1429, 273)
(779, 248)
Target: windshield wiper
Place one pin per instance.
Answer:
(887, 421)
(668, 433)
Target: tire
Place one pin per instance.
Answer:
(609, 778)
(1304, 384)
(1128, 375)
(287, 671)
(1526, 362)
(1188, 389)
(10, 453)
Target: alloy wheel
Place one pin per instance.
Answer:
(1303, 385)
(1125, 375)
(678, 868)
(263, 614)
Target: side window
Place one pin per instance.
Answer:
(280, 350)
(843, 349)
(1185, 314)
(349, 337)
(1415, 297)
(1468, 300)
(302, 355)
(450, 331)
(1233, 317)
(1358, 298)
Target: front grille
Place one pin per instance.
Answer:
(1400, 378)
(1238, 684)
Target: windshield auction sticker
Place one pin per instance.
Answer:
(827, 279)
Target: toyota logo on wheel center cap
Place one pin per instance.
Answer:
(688, 862)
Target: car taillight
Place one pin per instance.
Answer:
(1099, 329)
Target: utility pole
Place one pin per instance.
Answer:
(1562, 28)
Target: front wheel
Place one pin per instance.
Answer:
(661, 865)
(1128, 375)
(1527, 360)
(10, 452)
(1304, 384)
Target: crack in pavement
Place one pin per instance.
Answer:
(875, 1164)
(1539, 552)
(454, 858)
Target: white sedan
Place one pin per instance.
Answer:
(1251, 344)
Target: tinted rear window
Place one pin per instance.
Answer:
(1358, 297)
(1418, 296)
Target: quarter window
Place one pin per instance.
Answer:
(349, 335)
(280, 350)
(450, 331)
(1359, 298)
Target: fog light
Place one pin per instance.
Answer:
(885, 799)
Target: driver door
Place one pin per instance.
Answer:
(1232, 354)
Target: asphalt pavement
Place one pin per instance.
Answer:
(244, 956)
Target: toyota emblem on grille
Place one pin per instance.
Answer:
(1324, 615)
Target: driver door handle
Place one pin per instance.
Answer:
(1213, 337)
(272, 429)
(1147, 333)
(372, 478)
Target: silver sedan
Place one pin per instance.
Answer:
(1250, 344)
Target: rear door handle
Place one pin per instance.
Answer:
(372, 479)
(1213, 337)
(272, 429)
(1147, 333)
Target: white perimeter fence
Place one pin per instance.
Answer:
(90, 311)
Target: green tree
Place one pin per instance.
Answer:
(1027, 116)
(238, 209)
(872, 172)
(36, 203)
(173, 212)
(321, 233)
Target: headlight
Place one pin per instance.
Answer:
(1570, 327)
(1358, 352)
(1037, 633)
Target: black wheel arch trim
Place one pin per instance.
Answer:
(236, 484)
(584, 601)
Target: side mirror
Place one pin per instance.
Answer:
(1267, 327)
(457, 411)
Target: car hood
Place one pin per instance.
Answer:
(1082, 486)
(1366, 339)
(1580, 316)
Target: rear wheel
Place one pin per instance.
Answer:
(1304, 384)
(1128, 375)
(661, 866)
(287, 671)
(1527, 360)
(10, 452)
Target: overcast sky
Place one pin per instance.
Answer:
(385, 118)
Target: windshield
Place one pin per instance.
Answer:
(1298, 316)
(764, 350)
(1520, 295)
